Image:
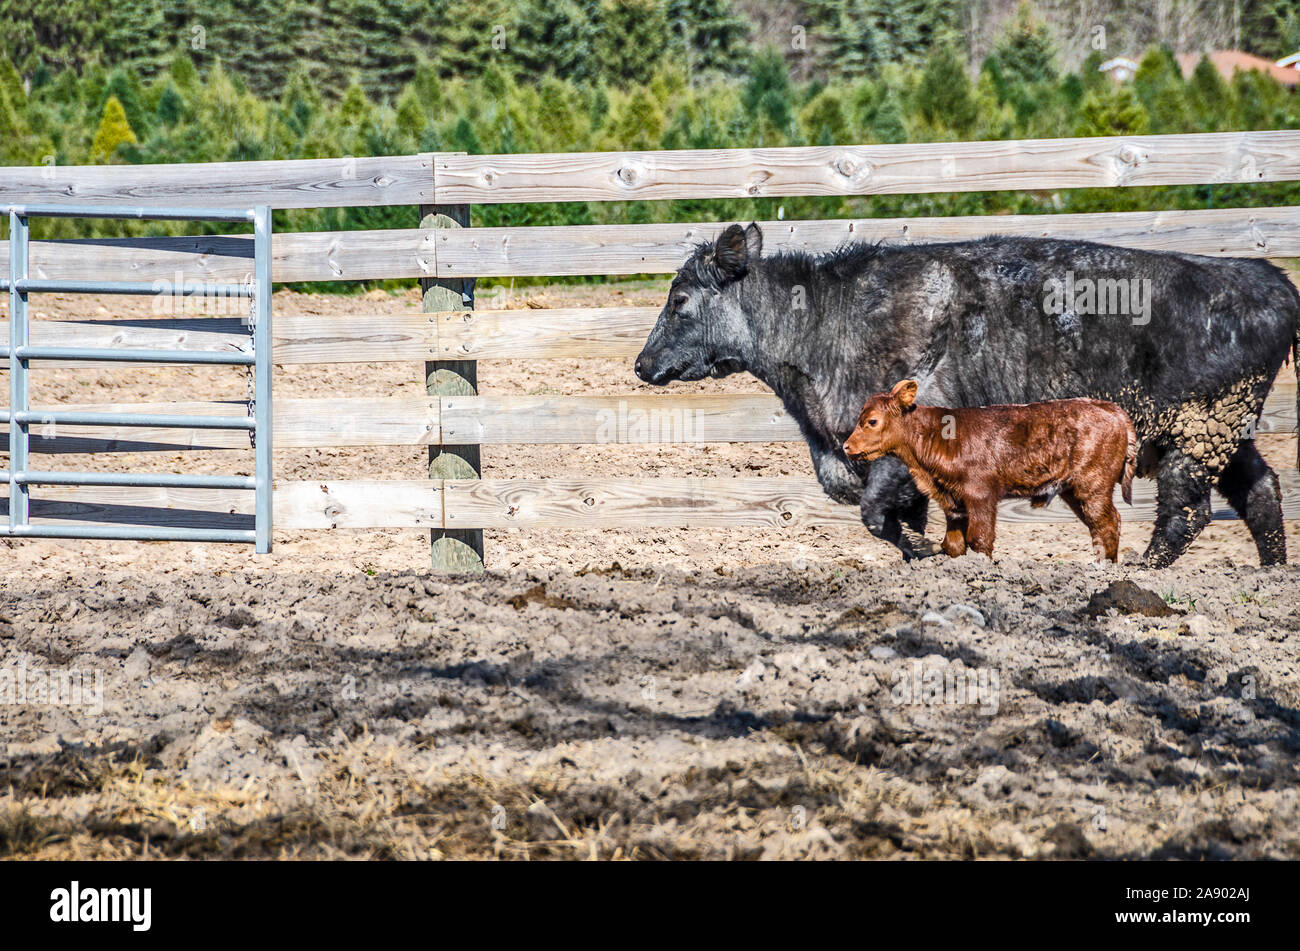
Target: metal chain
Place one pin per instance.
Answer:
(248, 370)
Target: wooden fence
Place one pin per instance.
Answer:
(454, 419)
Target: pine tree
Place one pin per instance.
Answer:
(889, 124)
(427, 86)
(300, 103)
(944, 96)
(1026, 53)
(113, 132)
(636, 123)
(554, 36)
(630, 38)
(714, 32)
(1157, 69)
(124, 85)
(767, 94)
(857, 43)
(1113, 111)
(559, 117)
(1209, 97)
(183, 73)
(171, 106)
(1090, 75)
(12, 83)
(13, 130)
(823, 121)
(463, 139)
(1159, 84)
(412, 120)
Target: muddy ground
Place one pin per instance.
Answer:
(631, 694)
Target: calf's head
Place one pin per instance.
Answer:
(703, 330)
(880, 425)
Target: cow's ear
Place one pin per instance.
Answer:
(731, 252)
(905, 392)
(753, 241)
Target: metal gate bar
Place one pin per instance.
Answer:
(97, 354)
(21, 416)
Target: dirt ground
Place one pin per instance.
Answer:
(628, 694)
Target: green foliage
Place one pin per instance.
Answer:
(124, 86)
(889, 125)
(635, 122)
(768, 95)
(631, 37)
(823, 120)
(1113, 111)
(1270, 27)
(363, 77)
(1209, 99)
(114, 131)
(944, 97)
(714, 34)
(1026, 53)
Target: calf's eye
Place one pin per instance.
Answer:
(680, 301)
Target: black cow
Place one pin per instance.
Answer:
(1188, 345)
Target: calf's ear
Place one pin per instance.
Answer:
(905, 392)
(753, 241)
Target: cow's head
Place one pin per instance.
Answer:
(703, 329)
(880, 428)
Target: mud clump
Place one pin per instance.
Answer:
(1128, 598)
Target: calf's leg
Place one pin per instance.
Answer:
(981, 523)
(954, 540)
(1252, 489)
(1102, 519)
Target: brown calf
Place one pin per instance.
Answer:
(968, 460)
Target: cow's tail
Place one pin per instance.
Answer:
(1295, 365)
(1130, 462)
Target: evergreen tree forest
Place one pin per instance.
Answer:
(130, 81)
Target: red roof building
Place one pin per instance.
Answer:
(1228, 62)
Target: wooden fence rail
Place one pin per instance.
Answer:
(623, 249)
(586, 419)
(452, 179)
(454, 419)
(498, 504)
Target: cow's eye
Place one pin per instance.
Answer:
(873, 422)
(680, 301)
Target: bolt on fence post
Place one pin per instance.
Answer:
(451, 549)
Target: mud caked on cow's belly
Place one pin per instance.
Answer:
(1207, 430)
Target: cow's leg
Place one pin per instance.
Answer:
(914, 515)
(837, 476)
(1251, 488)
(888, 496)
(1182, 508)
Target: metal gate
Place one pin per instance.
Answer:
(20, 353)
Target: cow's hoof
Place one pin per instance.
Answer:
(918, 546)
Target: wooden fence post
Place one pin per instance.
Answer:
(451, 550)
